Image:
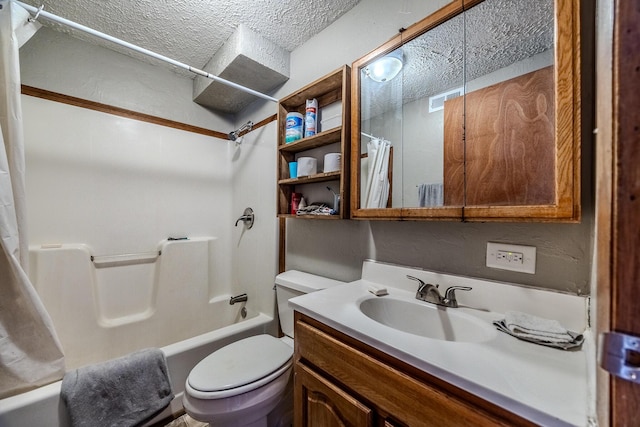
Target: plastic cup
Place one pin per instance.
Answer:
(293, 169)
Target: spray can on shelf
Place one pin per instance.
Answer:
(311, 117)
(295, 202)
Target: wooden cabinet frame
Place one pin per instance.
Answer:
(567, 76)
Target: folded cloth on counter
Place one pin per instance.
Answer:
(121, 392)
(538, 330)
(530, 326)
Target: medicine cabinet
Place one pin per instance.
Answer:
(333, 93)
(482, 123)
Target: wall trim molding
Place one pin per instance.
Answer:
(130, 114)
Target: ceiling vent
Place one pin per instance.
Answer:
(436, 102)
(248, 60)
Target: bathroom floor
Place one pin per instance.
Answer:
(186, 421)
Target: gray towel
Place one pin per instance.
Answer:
(121, 392)
(430, 195)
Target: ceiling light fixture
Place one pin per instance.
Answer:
(385, 68)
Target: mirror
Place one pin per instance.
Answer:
(469, 120)
(508, 105)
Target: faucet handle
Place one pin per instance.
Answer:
(421, 284)
(450, 295)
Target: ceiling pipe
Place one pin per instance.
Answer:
(41, 13)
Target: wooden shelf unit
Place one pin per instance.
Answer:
(332, 88)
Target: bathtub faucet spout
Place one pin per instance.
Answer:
(238, 298)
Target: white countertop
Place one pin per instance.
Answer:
(544, 385)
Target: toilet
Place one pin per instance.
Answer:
(249, 382)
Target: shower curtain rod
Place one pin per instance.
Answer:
(373, 137)
(39, 12)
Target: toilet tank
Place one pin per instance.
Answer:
(293, 283)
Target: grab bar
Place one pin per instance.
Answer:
(103, 261)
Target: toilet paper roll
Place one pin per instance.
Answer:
(307, 166)
(332, 162)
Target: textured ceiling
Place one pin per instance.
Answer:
(486, 38)
(193, 31)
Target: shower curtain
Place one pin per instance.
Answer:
(377, 190)
(30, 352)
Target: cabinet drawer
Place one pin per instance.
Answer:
(410, 400)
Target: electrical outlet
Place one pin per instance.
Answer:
(508, 257)
(511, 257)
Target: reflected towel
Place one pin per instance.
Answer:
(430, 195)
(120, 392)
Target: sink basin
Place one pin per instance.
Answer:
(427, 320)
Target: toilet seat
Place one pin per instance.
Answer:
(239, 367)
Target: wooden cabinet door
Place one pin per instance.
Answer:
(319, 403)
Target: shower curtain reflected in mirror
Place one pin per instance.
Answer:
(30, 352)
(377, 190)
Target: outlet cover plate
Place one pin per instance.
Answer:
(496, 257)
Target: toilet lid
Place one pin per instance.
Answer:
(240, 363)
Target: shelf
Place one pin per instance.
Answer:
(309, 216)
(320, 177)
(319, 140)
(333, 88)
(326, 89)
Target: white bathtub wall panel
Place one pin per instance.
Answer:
(118, 184)
(124, 294)
(63, 278)
(219, 283)
(183, 303)
(255, 251)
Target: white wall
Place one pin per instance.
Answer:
(120, 185)
(57, 62)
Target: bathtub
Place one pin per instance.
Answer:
(174, 297)
(42, 407)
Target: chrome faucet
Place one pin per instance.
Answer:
(247, 217)
(429, 293)
(238, 298)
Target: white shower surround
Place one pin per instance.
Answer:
(121, 186)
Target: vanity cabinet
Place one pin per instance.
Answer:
(326, 404)
(331, 91)
(340, 381)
